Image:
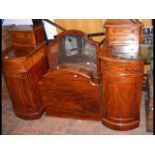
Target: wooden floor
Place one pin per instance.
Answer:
(12, 125)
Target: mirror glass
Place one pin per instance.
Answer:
(74, 49)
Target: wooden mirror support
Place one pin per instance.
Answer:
(71, 86)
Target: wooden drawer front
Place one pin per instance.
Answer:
(135, 67)
(123, 31)
(122, 68)
(123, 40)
(113, 67)
(23, 39)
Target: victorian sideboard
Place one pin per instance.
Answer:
(73, 76)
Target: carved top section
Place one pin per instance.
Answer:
(27, 35)
(73, 47)
(123, 31)
(123, 22)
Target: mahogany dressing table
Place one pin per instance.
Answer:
(73, 77)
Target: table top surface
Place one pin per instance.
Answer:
(14, 52)
(122, 52)
(20, 52)
(128, 52)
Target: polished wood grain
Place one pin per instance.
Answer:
(68, 91)
(123, 31)
(38, 82)
(27, 35)
(6, 41)
(22, 69)
(121, 92)
(122, 79)
(53, 54)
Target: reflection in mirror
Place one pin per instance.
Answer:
(74, 49)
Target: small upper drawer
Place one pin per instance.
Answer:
(123, 31)
(113, 67)
(134, 67)
(23, 39)
(123, 40)
(21, 35)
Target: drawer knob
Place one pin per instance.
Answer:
(6, 57)
(75, 75)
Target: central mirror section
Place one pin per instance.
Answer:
(74, 49)
(71, 87)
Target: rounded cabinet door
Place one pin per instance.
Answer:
(121, 102)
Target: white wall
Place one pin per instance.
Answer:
(50, 30)
(17, 22)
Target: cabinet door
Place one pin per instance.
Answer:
(23, 97)
(121, 99)
(20, 93)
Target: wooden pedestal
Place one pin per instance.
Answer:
(121, 93)
(22, 69)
